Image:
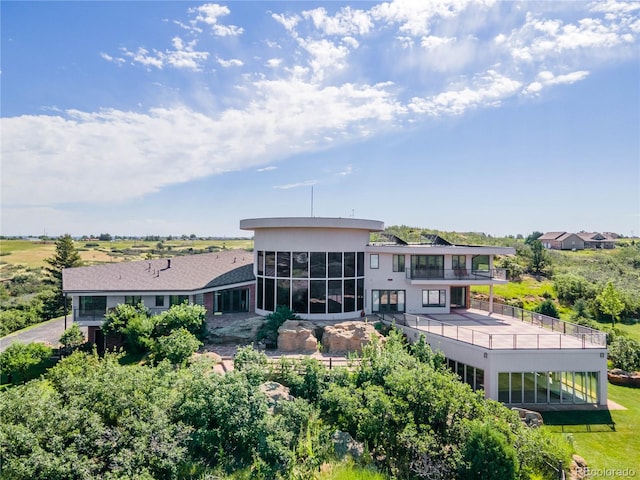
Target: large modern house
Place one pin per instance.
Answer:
(329, 269)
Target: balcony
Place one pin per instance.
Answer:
(461, 274)
(88, 317)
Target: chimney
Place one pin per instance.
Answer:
(168, 263)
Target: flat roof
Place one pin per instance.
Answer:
(311, 222)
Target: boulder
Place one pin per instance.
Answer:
(276, 393)
(625, 379)
(297, 336)
(349, 336)
(578, 469)
(344, 444)
(237, 332)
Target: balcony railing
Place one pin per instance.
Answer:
(455, 274)
(595, 337)
(88, 315)
(494, 341)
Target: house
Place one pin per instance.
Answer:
(221, 281)
(562, 241)
(328, 269)
(597, 240)
(577, 241)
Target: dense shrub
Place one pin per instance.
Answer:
(488, 455)
(624, 353)
(19, 357)
(548, 308)
(177, 346)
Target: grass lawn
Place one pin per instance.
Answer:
(631, 329)
(602, 447)
(529, 290)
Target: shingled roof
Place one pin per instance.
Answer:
(181, 274)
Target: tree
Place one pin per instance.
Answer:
(538, 257)
(548, 308)
(19, 357)
(66, 256)
(624, 353)
(610, 302)
(488, 455)
(532, 237)
(72, 338)
(177, 347)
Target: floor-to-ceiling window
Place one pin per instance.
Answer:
(384, 301)
(311, 282)
(232, 300)
(427, 266)
(548, 387)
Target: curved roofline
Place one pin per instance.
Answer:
(312, 222)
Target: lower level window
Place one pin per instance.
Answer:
(387, 300)
(434, 298)
(132, 299)
(548, 387)
(178, 299)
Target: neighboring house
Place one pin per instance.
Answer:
(328, 269)
(222, 282)
(577, 241)
(562, 241)
(597, 240)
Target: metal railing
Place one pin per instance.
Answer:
(455, 274)
(492, 341)
(592, 336)
(89, 315)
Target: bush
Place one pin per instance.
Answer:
(177, 347)
(71, 339)
(624, 353)
(548, 308)
(20, 357)
(488, 455)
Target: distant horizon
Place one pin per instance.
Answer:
(168, 116)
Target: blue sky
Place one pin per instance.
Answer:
(157, 118)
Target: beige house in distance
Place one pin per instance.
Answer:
(577, 241)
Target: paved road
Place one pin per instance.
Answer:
(50, 331)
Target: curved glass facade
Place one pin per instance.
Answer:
(310, 282)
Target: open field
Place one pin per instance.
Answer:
(529, 290)
(602, 447)
(32, 254)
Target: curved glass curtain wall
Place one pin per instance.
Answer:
(311, 282)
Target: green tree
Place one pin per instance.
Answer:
(66, 256)
(189, 316)
(72, 338)
(177, 347)
(610, 302)
(539, 258)
(20, 357)
(548, 308)
(624, 353)
(533, 236)
(488, 455)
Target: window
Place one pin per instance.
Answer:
(334, 296)
(300, 296)
(270, 264)
(434, 298)
(398, 263)
(283, 291)
(480, 263)
(335, 264)
(178, 299)
(427, 266)
(300, 265)
(374, 261)
(260, 262)
(159, 300)
(93, 305)
(387, 300)
(349, 264)
(132, 299)
(284, 264)
(318, 296)
(349, 295)
(318, 265)
(459, 262)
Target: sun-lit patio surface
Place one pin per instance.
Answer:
(495, 331)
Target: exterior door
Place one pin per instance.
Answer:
(459, 297)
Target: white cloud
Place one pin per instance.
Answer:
(289, 23)
(307, 183)
(267, 169)
(234, 62)
(210, 13)
(548, 79)
(274, 62)
(347, 171)
(109, 58)
(183, 56)
(347, 21)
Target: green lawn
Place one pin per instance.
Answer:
(529, 290)
(631, 329)
(600, 445)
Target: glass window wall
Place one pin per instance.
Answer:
(548, 387)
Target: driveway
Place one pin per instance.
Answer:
(50, 331)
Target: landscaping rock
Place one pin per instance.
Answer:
(239, 332)
(349, 336)
(529, 417)
(625, 379)
(579, 469)
(297, 336)
(276, 393)
(344, 444)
